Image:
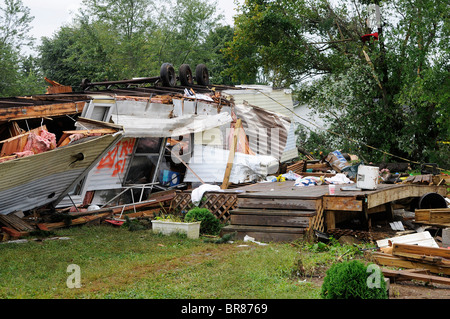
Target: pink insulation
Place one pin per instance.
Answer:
(40, 143)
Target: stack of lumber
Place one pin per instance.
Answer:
(433, 216)
(415, 274)
(428, 179)
(310, 168)
(433, 259)
(14, 227)
(274, 216)
(298, 167)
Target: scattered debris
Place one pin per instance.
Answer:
(414, 274)
(251, 239)
(412, 256)
(420, 239)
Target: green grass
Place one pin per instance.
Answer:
(116, 263)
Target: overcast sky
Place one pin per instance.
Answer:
(50, 15)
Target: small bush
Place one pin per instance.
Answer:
(349, 280)
(210, 225)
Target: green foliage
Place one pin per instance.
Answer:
(209, 223)
(222, 240)
(110, 40)
(19, 74)
(133, 224)
(377, 98)
(15, 19)
(349, 280)
(170, 218)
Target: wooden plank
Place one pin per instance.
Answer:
(342, 203)
(421, 239)
(408, 275)
(275, 229)
(423, 258)
(14, 233)
(277, 203)
(330, 219)
(64, 139)
(390, 194)
(421, 250)
(393, 261)
(77, 221)
(275, 212)
(265, 234)
(226, 177)
(267, 220)
(437, 215)
(38, 111)
(15, 222)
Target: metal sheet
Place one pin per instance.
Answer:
(41, 179)
(274, 100)
(138, 126)
(267, 131)
(110, 171)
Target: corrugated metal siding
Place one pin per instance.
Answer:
(270, 99)
(267, 131)
(290, 150)
(253, 96)
(37, 180)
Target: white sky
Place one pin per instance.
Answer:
(50, 15)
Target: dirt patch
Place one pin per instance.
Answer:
(415, 290)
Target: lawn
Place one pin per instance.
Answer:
(116, 263)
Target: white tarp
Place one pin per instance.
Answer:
(138, 126)
(209, 163)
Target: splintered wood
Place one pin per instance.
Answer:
(15, 222)
(412, 256)
(298, 167)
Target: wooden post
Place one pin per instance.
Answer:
(233, 145)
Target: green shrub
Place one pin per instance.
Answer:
(350, 280)
(210, 225)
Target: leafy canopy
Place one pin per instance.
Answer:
(385, 98)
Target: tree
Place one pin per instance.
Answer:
(15, 22)
(380, 89)
(18, 74)
(120, 39)
(183, 31)
(126, 25)
(213, 49)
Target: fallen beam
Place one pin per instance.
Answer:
(409, 275)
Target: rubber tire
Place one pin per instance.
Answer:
(202, 74)
(432, 200)
(167, 75)
(185, 74)
(84, 84)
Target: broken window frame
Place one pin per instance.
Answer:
(154, 176)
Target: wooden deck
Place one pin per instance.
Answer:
(282, 211)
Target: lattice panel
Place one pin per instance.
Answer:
(317, 222)
(220, 204)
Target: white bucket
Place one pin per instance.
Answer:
(367, 177)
